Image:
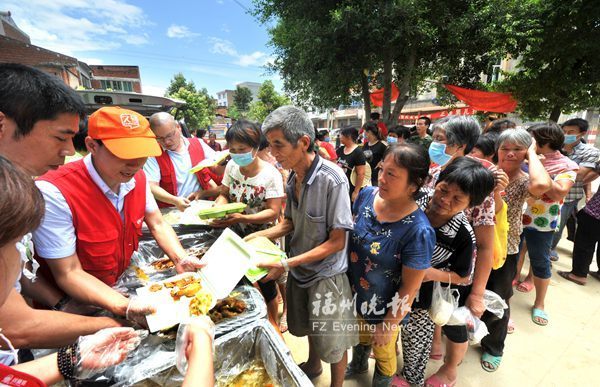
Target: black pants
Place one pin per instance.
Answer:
(500, 282)
(587, 237)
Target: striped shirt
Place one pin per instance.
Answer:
(585, 155)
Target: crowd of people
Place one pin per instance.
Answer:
(373, 230)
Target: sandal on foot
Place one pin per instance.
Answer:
(310, 375)
(283, 325)
(570, 277)
(515, 283)
(525, 286)
(541, 315)
(435, 381)
(399, 381)
(511, 326)
(490, 363)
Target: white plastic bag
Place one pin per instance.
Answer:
(443, 303)
(494, 303)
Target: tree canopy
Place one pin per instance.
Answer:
(268, 100)
(200, 107)
(242, 98)
(331, 51)
(558, 70)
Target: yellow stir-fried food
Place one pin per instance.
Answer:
(254, 376)
(200, 304)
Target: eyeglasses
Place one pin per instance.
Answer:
(169, 136)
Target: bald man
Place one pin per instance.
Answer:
(171, 182)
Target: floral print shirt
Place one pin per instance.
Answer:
(543, 214)
(377, 252)
(254, 191)
(516, 193)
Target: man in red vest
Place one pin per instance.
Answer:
(95, 208)
(39, 115)
(171, 182)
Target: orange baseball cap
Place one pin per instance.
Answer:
(125, 133)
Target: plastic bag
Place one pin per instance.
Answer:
(183, 339)
(444, 301)
(476, 329)
(104, 349)
(494, 303)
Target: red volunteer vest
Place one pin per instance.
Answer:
(12, 377)
(104, 241)
(168, 177)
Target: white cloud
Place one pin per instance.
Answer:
(225, 47)
(154, 90)
(178, 32)
(73, 26)
(257, 58)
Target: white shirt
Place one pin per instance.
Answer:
(55, 238)
(187, 183)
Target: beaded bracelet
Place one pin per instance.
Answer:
(68, 358)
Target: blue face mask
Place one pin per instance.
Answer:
(242, 159)
(437, 153)
(570, 138)
(392, 140)
(326, 139)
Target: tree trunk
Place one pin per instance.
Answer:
(387, 89)
(366, 94)
(555, 114)
(404, 86)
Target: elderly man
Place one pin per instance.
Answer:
(318, 216)
(94, 213)
(39, 115)
(586, 156)
(171, 182)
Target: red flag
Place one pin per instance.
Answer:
(377, 95)
(484, 100)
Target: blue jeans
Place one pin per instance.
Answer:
(538, 247)
(566, 210)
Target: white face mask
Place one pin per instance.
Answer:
(10, 346)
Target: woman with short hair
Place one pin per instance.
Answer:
(373, 149)
(249, 179)
(464, 183)
(389, 249)
(514, 148)
(543, 212)
(350, 156)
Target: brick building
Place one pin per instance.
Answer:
(118, 78)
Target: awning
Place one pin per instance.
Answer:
(377, 95)
(484, 100)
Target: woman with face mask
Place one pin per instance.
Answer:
(249, 179)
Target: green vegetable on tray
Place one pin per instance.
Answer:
(221, 211)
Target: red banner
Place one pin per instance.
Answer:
(466, 111)
(377, 95)
(484, 100)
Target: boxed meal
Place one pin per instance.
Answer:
(178, 297)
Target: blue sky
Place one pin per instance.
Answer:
(215, 43)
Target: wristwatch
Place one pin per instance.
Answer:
(285, 265)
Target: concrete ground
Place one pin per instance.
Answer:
(563, 353)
